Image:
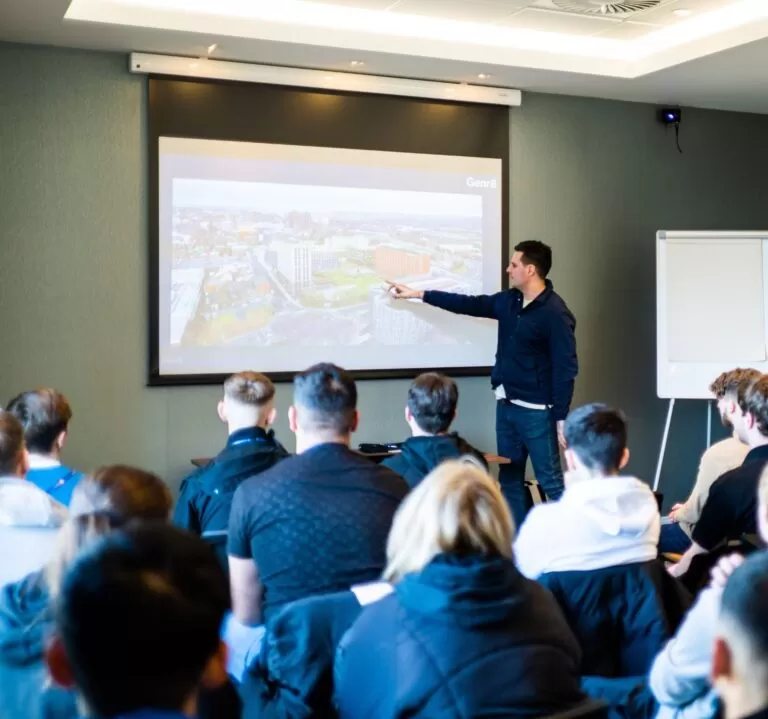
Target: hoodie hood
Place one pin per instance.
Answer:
(617, 506)
(24, 620)
(597, 523)
(23, 504)
(425, 453)
(472, 591)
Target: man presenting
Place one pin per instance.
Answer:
(535, 368)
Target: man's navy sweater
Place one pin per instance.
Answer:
(536, 351)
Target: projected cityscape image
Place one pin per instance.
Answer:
(268, 264)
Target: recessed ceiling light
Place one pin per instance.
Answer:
(682, 12)
(357, 63)
(212, 48)
(483, 76)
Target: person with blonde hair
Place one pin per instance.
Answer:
(109, 498)
(463, 633)
(205, 498)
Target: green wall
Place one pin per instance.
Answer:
(594, 178)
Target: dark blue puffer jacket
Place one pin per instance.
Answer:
(464, 638)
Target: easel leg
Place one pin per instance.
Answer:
(663, 448)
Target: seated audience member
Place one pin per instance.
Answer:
(317, 522)
(112, 496)
(205, 499)
(45, 416)
(463, 633)
(740, 662)
(29, 518)
(137, 624)
(603, 519)
(595, 549)
(730, 509)
(680, 676)
(721, 457)
(431, 408)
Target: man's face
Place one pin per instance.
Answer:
(519, 274)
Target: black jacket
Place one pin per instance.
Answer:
(621, 615)
(420, 455)
(293, 676)
(205, 498)
(464, 638)
(536, 349)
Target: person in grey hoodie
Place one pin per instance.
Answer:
(29, 518)
(602, 519)
(429, 412)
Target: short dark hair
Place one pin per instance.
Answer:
(328, 395)
(432, 399)
(11, 443)
(756, 402)
(537, 254)
(139, 615)
(598, 436)
(743, 603)
(44, 414)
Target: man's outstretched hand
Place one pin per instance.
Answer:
(403, 292)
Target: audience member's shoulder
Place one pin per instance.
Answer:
(391, 480)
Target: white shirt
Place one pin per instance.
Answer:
(596, 523)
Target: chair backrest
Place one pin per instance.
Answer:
(588, 709)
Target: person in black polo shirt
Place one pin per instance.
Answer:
(730, 509)
(205, 499)
(535, 369)
(317, 522)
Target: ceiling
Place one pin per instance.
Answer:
(705, 53)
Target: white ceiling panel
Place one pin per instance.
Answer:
(467, 10)
(628, 30)
(364, 4)
(549, 21)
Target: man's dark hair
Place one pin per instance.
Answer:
(326, 396)
(537, 254)
(756, 402)
(743, 603)
(432, 400)
(139, 614)
(44, 414)
(597, 435)
(11, 443)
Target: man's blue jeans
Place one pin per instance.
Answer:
(523, 433)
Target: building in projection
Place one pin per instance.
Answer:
(297, 263)
(393, 261)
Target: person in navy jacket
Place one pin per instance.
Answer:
(535, 370)
(463, 634)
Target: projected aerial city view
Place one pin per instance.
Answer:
(269, 264)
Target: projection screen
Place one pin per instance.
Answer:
(274, 256)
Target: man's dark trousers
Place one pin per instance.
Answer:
(521, 433)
